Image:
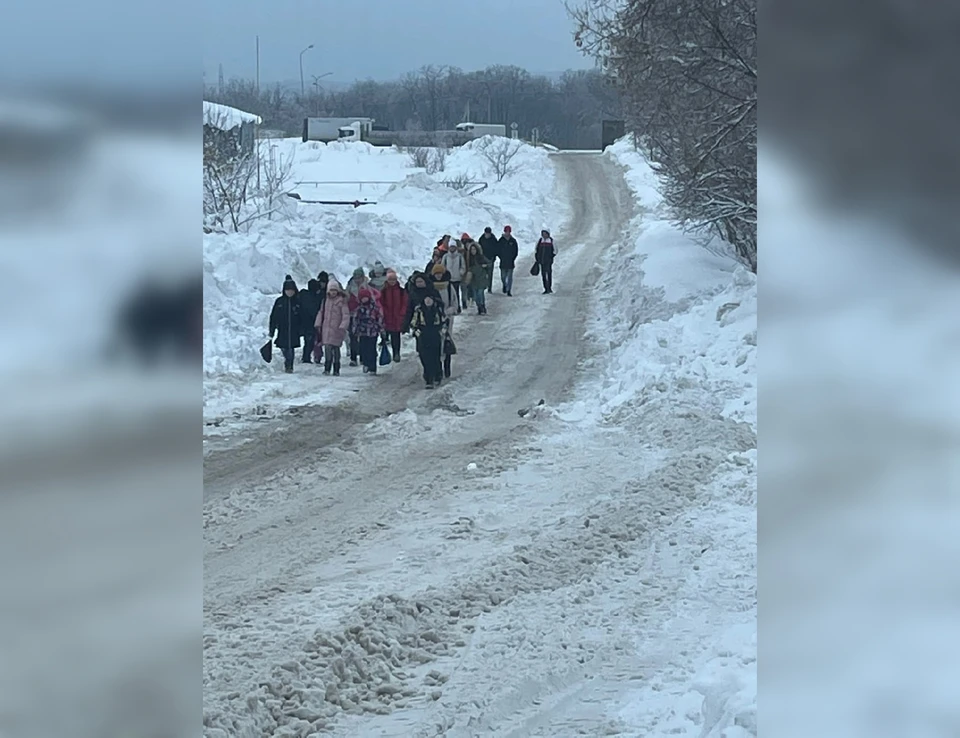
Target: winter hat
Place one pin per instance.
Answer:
(365, 295)
(358, 273)
(488, 229)
(507, 229)
(313, 285)
(333, 287)
(391, 273)
(323, 277)
(465, 237)
(289, 284)
(438, 269)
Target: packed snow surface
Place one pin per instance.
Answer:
(486, 562)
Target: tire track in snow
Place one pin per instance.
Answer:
(300, 495)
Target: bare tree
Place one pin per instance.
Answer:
(231, 196)
(499, 153)
(276, 174)
(687, 77)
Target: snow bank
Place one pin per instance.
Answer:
(673, 314)
(675, 327)
(243, 272)
(226, 118)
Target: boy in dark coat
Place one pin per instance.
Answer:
(429, 323)
(286, 323)
(509, 249)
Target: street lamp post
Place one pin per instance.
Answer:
(302, 88)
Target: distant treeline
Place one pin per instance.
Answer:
(567, 112)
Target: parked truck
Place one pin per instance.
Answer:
(328, 129)
(478, 130)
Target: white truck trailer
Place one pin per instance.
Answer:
(478, 130)
(328, 129)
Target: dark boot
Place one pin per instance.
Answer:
(336, 370)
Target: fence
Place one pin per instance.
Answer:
(468, 188)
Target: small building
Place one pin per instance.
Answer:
(228, 131)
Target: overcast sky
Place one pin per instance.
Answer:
(383, 39)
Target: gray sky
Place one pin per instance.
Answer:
(383, 39)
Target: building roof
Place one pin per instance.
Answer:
(226, 118)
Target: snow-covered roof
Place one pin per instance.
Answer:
(226, 118)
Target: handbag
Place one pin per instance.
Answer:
(449, 347)
(385, 357)
(535, 269)
(266, 351)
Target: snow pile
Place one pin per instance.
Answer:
(226, 118)
(674, 314)
(676, 331)
(243, 272)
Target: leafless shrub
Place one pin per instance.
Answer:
(499, 153)
(419, 156)
(459, 182)
(438, 159)
(687, 76)
(233, 193)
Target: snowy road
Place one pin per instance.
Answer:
(361, 577)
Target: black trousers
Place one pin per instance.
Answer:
(428, 348)
(395, 343)
(331, 358)
(368, 352)
(308, 339)
(354, 345)
(546, 274)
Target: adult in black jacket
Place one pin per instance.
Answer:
(286, 322)
(508, 249)
(417, 288)
(491, 250)
(310, 301)
(546, 252)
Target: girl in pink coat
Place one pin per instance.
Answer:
(332, 323)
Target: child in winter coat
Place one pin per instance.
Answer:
(368, 325)
(440, 278)
(394, 299)
(478, 265)
(378, 275)
(437, 258)
(285, 321)
(417, 289)
(429, 325)
(454, 262)
(332, 324)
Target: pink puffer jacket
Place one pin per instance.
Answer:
(333, 320)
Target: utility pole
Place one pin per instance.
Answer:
(258, 66)
(220, 82)
(303, 89)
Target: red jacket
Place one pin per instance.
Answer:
(394, 299)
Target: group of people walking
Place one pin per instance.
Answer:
(374, 306)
